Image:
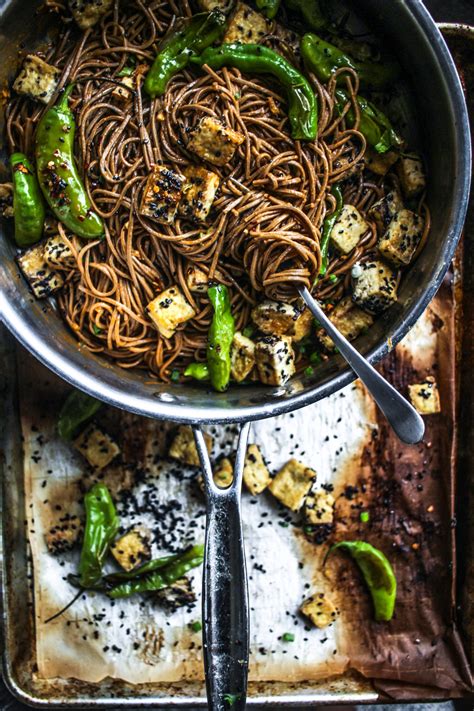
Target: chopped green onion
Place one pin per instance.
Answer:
(288, 637)
(196, 626)
(309, 370)
(230, 699)
(333, 278)
(364, 516)
(248, 331)
(96, 329)
(315, 358)
(175, 375)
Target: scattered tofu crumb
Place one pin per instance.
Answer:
(348, 229)
(246, 26)
(169, 310)
(214, 142)
(64, 535)
(292, 484)
(275, 360)
(319, 507)
(162, 194)
(242, 357)
(320, 610)
(43, 280)
(133, 548)
(256, 474)
(37, 79)
(183, 448)
(96, 446)
(349, 320)
(425, 396)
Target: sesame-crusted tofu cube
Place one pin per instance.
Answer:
(169, 310)
(178, 594)
(292, 484)
(275, 359)
(88, 12)
(37, 79)
(411, 173)
(425, 396)
(162, 194)
(242, 357)
(213, 141)
(319, 507)
(183, 447)
(198, 281)
(256, 475)
(64, 535)
(246, 26)
(398, 245)
(383, 211)
(380, 163)
(349, 320)
(97, 447)
(43, 280)
(375, 289)
(279, 319)
(133, 548)
(320, 610)
(57, 253)
(199, 193)
(348, 229)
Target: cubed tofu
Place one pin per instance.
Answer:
(133, 548)
(279, 319)
(292, 484)
(242, 357)
(87, 13)
(199, 193)
(214, 142)
(275, 359)
(375, 289)
(383, 211)
(43, 280)
(399, 243)
(246, 26)
(116, 477)
(57, 253)
(123, 92)
(183, 447)
(169, 310)
(320, 610)
(178, 594)
(425, 396)
(411, 173)
(348, 229)
(37, 79)
(380, 163)
(197, 280)
(319, 507)
(64, 535)
(256, 475)
(97, 447)
(207, 5)
(349, 319)
(162, 194)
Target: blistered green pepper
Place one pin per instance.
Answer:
(221, 334)
(58, 176)
(77, 409)
(378, 575)
(328, 225)
(28, 205)
(268, 7)
(102, 525)
(373, 124)
(257, 59)
(189, 36)
(198, 371)
(323, 59)
(311, 12)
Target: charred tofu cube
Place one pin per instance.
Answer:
(43, 280)
(199, 193)
(349, 319)
(398, 245)
(97, 447)
(246, 26)
(64, 535)
(169, 310)
(380, 163)
(183, 447)
(319, 508)
(87, 13)
(242, 357)
(37, 79)
(57, 253)
(214, 142)
(320, 610)
(256, 474)
(178, 594)
(425, 396)
(133, 548)
(275, 360)
(162, 194)
(279, 319)
(292, 484)
(383, 211)
(348, 229)
(375, 289)
(412, 175)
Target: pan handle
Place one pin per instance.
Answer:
(225, 592)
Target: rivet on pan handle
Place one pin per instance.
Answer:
(225, 591)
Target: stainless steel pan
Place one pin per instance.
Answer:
(439, 103)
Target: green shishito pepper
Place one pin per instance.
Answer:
(256, 59)
(378, 575)
(28, 205)
(221, 333)
(311, 12)
(102, 525)
(323, 59)
(198, 371)
(374, 125)
(328, 225)
(188, 37)
(77, 409)
(268, 7)
(57, 172)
